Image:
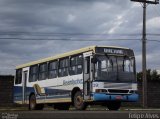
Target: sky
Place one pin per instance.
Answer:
(35, 29)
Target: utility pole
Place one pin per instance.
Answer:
(144, 67)
(144, 39)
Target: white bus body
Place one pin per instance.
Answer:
(86, 76)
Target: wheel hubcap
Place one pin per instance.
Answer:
(32, 104)
(79, 100)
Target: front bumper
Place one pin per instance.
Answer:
(115, 97)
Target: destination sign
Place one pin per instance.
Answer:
(117, 51)
(113, 51)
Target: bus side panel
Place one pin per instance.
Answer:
(57, 89)
(62, 91)
(17, 97)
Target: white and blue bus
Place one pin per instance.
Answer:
(95, 74)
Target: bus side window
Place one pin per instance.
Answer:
(72, 70)
(79, 64)
(63, 67)
(33, 76)
(52, 69)
(18, 79)
(43, 71)
(76, 65)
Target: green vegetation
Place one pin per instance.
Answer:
(152, 76)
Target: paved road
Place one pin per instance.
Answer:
(79, 114)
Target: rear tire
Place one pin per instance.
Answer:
(115, 105)
(32, 102)
(33, 105)
(79, 104)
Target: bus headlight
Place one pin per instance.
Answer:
(100, 90)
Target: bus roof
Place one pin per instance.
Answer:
(74, 52)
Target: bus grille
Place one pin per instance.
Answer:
(117, 91)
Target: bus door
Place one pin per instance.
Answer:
(25, 75)
(87, 75)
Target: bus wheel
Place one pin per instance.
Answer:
(32, 102)
(115, 105)
(79, 104)
(33, 105)
(64, 106)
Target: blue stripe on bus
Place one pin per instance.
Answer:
(50, 91)
(58, 96)
(115, 97)
(18, 92)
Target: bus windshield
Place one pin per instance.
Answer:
(115, 68)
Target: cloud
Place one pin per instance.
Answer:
(152, 23)
(43, 19)
(71, 18)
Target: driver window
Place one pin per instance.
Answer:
(131, 65)
(113, 63)
(127, 65)
(120, 64)
(109, 66)
(104, 65)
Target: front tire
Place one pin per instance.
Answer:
(79, 104)
(115, 105)
(33, 105)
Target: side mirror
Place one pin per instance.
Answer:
(94, 60)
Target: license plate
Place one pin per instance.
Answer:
(119, 97)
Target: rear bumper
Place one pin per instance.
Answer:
(115, 97)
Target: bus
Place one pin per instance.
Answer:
(103, 75)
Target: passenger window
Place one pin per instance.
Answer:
(63, 67)
(76, 65)
(79, 64)
(33, 73)
(73, 66)
(42, 71)
(52, 73)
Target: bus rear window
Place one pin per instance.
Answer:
(18, 79)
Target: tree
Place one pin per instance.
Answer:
(155, 76)
(151, 75)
